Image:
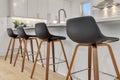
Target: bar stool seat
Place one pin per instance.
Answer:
(14, 35)
(53, 37)
(85, 32)
(31, 36)
(107, 40)
(100, 40)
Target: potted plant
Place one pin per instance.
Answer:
(16, 23)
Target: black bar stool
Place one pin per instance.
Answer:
(25, 37)
(13, 37)
(85, 32)
(43, 33)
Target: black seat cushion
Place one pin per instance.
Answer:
(15, 36)
(53, 37)
(107, 39)
(31, 36)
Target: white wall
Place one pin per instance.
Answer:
(3, 8)
(3, 35)
(3, 25)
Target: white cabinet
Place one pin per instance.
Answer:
(33, 8)
(38, 8)
(75, 9)
(19, 8)
(54, 6)
(42, 9)
(23, 8)
(67, 7)
(29, 8)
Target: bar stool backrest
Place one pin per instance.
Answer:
(83, 29)
(42, 31)
(21, 33)
(11, 33)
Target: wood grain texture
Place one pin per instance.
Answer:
(8, 72)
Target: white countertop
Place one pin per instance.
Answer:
(49, 26)
(108, 19)
(57, 24)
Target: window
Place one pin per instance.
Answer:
(86, 9)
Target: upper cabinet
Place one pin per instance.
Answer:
(28, 8)
(19, 8)
(42, 9)
(33, 8)
(67, 7)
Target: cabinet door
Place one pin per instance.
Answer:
(32, 8)
(42, 9)
(19, 8)
(67, 7)
(54, 6)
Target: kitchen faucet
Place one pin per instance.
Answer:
(59, 14)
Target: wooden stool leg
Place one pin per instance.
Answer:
(12, 51)
(47, 61)
(65, 56)
(31, 44)
(114, 61)
(21, 52)
(95, 63)
(39, 52)
(72, 61)
(33, 69)
(27, 55)
(89, 61)
(53, 55)
(21, 48)
(20, 44)
(8, 49)
(24, 54)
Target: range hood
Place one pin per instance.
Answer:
(106, 3)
